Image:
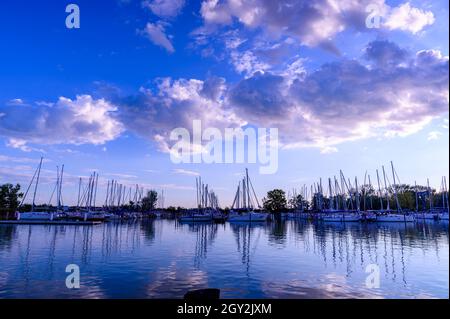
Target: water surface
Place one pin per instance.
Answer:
(165, 259)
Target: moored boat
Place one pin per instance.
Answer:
(35, 216)
(395, 218)
(196, 217)
(248, 217)
(341, 217)
(219, 216)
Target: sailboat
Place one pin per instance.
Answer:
(243, 203)
(333, 213)
(443, 215)
(387, 215)
(203, 213)
(88, 213)
(33, 214)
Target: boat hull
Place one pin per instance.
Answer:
(248, 217)
(36, 216)
(341, 218)
(196, 218)
(395, 218)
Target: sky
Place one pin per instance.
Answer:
(350, 85)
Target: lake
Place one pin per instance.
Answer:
(165, 259)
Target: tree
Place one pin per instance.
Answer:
(149, 201)
(9, 199)
(298, 202)
(275, 201)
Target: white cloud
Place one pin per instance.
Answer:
(175, 104)
(393, 95)
(328, 150)
(4, 158)
(164, 8)
(156, 34)
(445, 125)
(407, 18)
(80, 121)
(310, 22)
(434, 135)
(185, 172)
(16, 102)
(247, 63)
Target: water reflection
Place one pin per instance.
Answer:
(247, 237)
(165, 258)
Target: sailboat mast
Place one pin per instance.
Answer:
(330, 194)
(96, 186)
(36, 186)
(395, 189)
(379, 191)
(357, 195)
(370, 189)
(247, 188)
(60, 187)
(79, 193)
(386, 190)
(417, 200)
(446, 193)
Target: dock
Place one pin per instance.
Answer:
(49, 222)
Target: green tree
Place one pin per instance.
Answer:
(275, 201)
(298, 202)
(10, 196)
(149, 201)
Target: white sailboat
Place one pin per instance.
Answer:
(396, 217)
(207, 205)
(250, 216)
(392, 217)
(88, 198)
(34, 215)
(443, 214)
(341, 217)
(243, 202)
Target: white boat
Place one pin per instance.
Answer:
(35, 216)
(395, 218)
(427, 216)
(247, 217)
(244, 201)
(443, 216)
(111, 216)
(94, 216)
(87, 215)
(219, 216)
(368, 216)
(337, 217)
(197, 217)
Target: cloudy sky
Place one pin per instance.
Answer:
(349, 84)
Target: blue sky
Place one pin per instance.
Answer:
(343, 96)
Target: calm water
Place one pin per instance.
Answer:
(165, 259)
